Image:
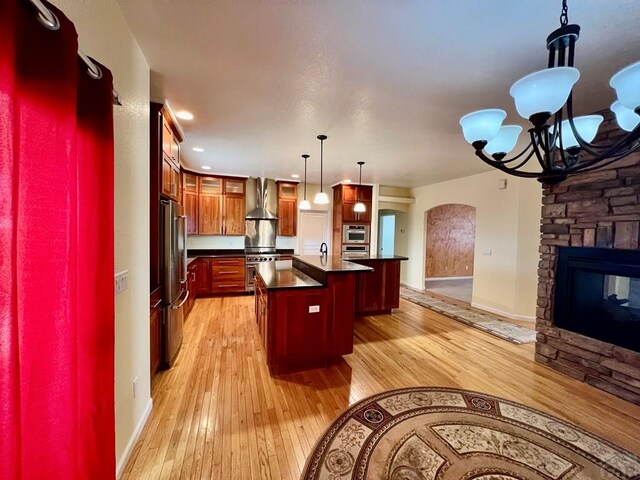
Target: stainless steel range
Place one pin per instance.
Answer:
(261, 230)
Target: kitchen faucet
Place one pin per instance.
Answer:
(324, 249)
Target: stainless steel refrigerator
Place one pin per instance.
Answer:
(174, 278)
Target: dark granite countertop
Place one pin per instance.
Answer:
(372, 256)
(330, 263)
(281, 275)
(192, 254)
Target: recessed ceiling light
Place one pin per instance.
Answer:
(346, 180)
(184, 115)
(206, 167)
(295, 175)
(198, 149)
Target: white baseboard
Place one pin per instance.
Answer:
(503, 313)
(431, 279)
(134, 438)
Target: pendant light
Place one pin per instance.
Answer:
(321, 198)
(304, 204)
(360, 207)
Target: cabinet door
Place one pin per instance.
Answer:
(155, 324)
(348, 215)
(287, 190)
(175, 151)
(190, 182)
(203, 277)
(365, 216)
(210, 214)
(366, 193)
(349, 193)
(210, 185)
(234, 215)
(287, 213)
(190, 202)
(175, 183)
(234, 187)
(167, 138)
(166, 176)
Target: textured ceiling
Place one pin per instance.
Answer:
(386, 80)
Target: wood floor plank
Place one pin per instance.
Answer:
(218, 413)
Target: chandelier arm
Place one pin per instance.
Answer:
(557, 137)
(521, 164)
(536, 150)
(607, 155)
(625, 143)
(509, 170)
(513, 159)
(591, 167)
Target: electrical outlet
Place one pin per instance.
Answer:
(135, 387)
(314, 308)
(121, 281)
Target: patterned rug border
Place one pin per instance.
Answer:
(328, 435)
(493, 325)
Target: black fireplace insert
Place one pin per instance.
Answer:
(597, 294)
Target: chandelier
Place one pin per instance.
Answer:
(559, 142)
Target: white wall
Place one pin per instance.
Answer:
(103, 34)
(507, 225)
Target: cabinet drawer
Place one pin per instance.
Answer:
(224, 273)
(229, 286)
(227, 262)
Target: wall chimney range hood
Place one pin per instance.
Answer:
(261, 212)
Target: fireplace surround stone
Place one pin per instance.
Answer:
(597, 209)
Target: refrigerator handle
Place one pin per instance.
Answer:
(175, 307)
(184, 250)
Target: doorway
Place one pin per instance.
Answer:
(313, 231)
(450, 249)
(387, 226)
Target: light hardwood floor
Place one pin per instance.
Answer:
(218, 414)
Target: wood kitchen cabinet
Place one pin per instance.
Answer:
(227, 275)
(190, 201)
(287, 209)
(203, 276)
(191, 287)
(218, 204)
(155, 331)
(345, 198)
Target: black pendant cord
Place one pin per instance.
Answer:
(322, 138)
(359, 182)
(305, 156)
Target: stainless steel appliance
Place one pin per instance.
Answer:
(355, 234)
(364, 249)
(260, 232)
(174, 278)
(251, 261)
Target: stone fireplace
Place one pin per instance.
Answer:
(588, 315)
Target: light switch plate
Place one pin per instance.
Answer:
(121, 281)
(487, 252)
(314, 308)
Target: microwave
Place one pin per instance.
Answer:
(355, 234)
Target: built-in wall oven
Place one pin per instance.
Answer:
(355, 234)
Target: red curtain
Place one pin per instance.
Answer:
(56, 255)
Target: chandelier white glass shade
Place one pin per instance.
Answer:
(560, 143)
(321, 198)
(626, 118)
(304, 204)
(359, 207)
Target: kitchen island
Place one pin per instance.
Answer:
(305, 308)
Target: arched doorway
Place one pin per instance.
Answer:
(450, 232)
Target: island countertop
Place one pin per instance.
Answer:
(330, 264)
(281, 275)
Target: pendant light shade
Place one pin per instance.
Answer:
(304, 204)
(360, 207)
(321, 198)
(545, 91)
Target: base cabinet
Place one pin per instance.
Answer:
(378, 291)
(155, 331)
(222, 275)
(191, 286)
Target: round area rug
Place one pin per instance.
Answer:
(442, 433)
